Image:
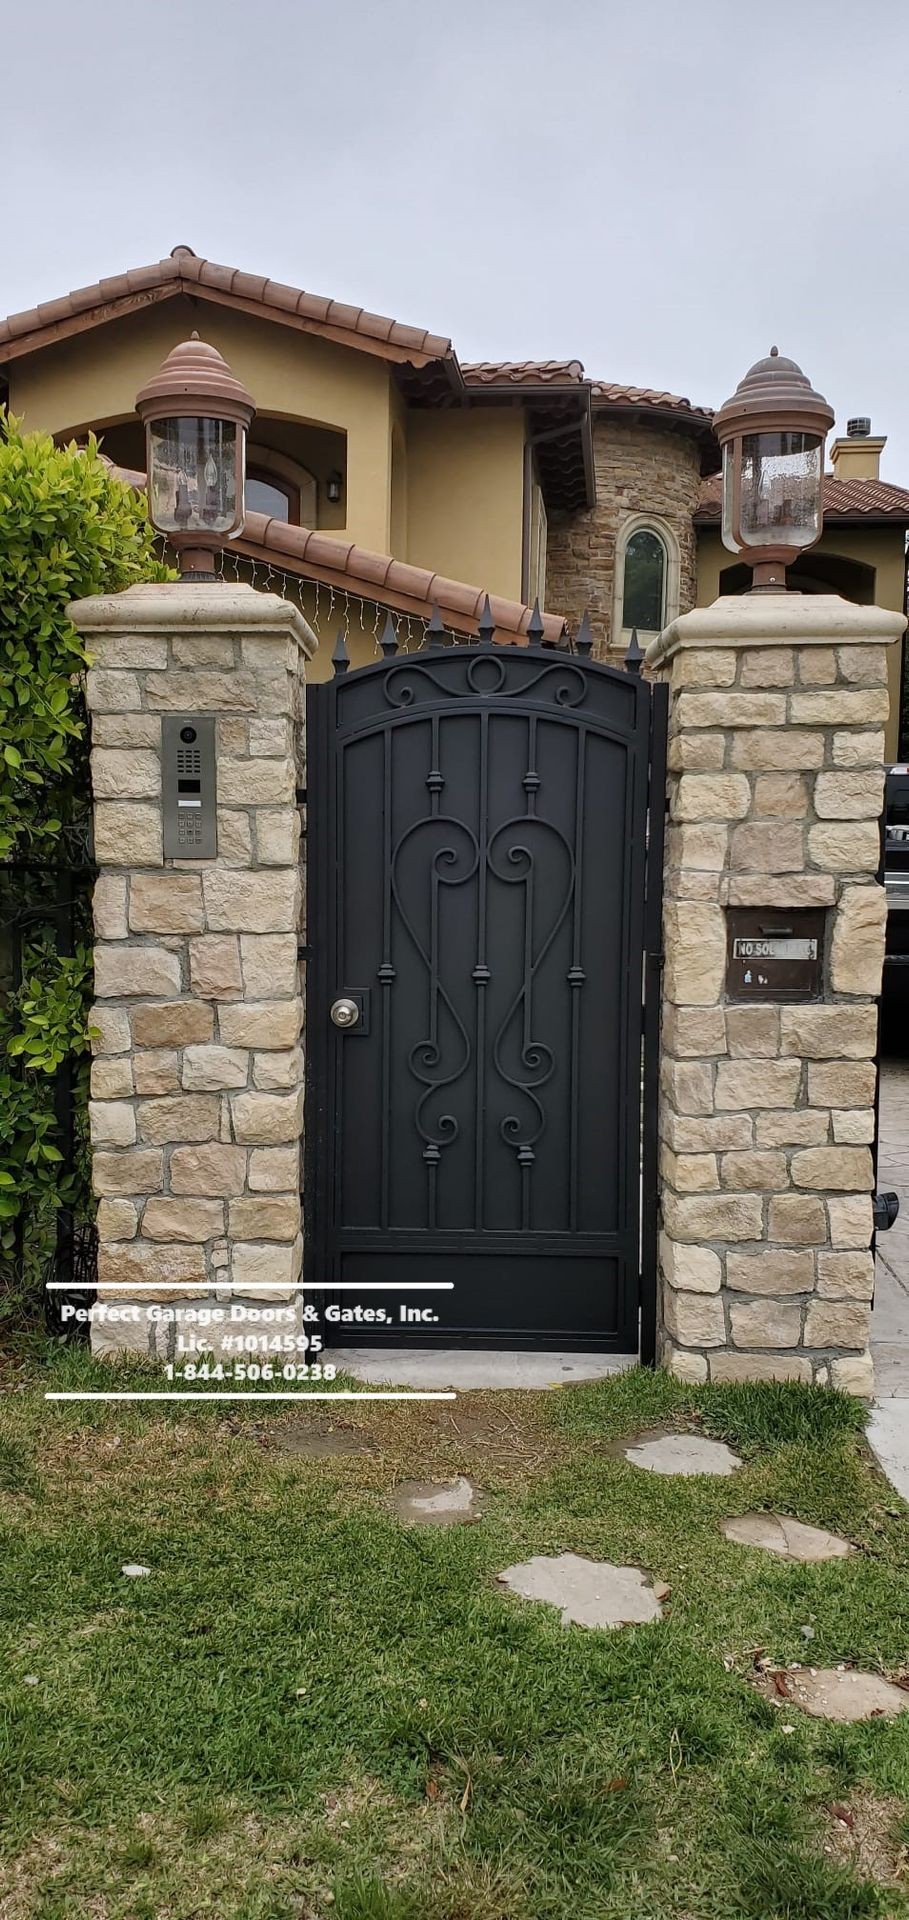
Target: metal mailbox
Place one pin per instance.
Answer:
(775, 953)
(188, 783)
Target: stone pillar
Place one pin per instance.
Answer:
(197, 1078)
(776, 753)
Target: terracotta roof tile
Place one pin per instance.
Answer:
(220, 278)
(376, 575)
(184, 269)
(370, 566)
(251, 286)
(53, 310)
(456, 596)
(277, 295)
(313, 306)
(843, 500)
(521, 373)
(875, 497)
(612, 394)
(376, 325)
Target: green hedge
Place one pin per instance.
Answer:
(68, 528)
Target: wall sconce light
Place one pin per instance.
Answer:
(772, 433)
(196, 416)
(333, 487)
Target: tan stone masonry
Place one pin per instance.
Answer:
(767, 1110)
(197, 1077)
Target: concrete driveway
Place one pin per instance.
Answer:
(889, 1426)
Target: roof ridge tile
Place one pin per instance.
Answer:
(182, 265)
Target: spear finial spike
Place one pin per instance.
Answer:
(389, 640)
(535, 627)
(435, 631)
(584, 640)
(634, 658)
(339, 659)
(486, 625)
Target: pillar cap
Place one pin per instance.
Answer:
(173, 606)
(777, 619)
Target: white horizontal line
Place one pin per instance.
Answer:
(305, 1394)
(298, 1286)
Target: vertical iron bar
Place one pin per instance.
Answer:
(653, 975)
(481, 977)
(386, 976)
(576, 982)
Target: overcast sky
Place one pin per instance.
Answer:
(660, 187)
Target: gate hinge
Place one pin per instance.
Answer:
(301, 796)
(303, 951)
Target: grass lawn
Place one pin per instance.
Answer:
(309, 1710)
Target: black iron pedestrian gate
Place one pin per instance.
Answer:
(481, 902)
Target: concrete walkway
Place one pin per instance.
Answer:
(890, 1319)
(472, 1368)
(888, 1429)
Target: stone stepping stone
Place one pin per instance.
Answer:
(430, 1503)
(779, 1533)
(828, 1694)
(590, 1593)
(681, 1453)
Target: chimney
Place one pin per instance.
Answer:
(858, 456)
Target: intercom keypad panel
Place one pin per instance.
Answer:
(188, 779)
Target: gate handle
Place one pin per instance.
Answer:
(345, 1013)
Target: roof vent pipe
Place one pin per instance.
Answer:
(859, 428)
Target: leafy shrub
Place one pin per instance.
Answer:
(68, 528)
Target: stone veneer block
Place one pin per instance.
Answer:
(214, 966)
(196, 1137)
(775, 781)
(165, 903)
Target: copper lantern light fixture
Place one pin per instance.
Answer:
(196, 416)
(772, 432)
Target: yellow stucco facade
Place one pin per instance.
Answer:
(465, 473)
(440, 488)
(880, 548)
(93, 379)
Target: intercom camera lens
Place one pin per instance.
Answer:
(188, 734)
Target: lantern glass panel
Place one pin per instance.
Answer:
(780, 503)
(730, 450)
(192, 475)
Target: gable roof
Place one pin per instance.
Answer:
(424, 365)
(864, 502)
(184, 272)
(376, 576)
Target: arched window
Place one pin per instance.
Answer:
(269, 493)
(280, 487)
(644, 582)
(647, 573)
